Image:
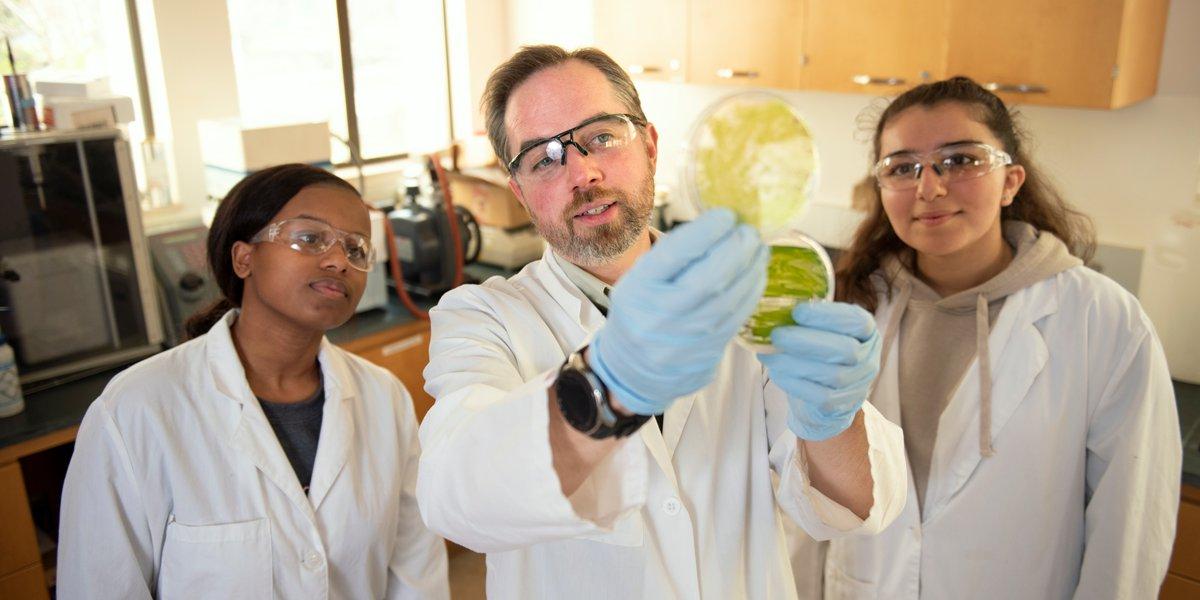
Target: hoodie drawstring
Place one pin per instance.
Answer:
(982, 331)
(893, 327)
(985, 376)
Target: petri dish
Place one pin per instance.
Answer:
(754, 153)
(799, 271)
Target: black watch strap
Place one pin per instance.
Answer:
(584, 402)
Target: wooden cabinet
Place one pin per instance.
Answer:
(744, 43)
(648, 39)
(26, 584)
(1087, 53)
(21, 573)
(1090, 53)
(1178, 588)
(703, 41)
(1183, 574)
(403, 350)
(872, 47)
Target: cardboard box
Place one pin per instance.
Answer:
(510, 248)
(228, 144)
(492, 204)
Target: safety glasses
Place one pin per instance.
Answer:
(952, 163)
(601, 137)
(313, 237)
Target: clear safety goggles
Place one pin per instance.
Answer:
(952, 163)
(313, 237)
(545, 159)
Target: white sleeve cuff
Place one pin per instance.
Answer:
(823, 518)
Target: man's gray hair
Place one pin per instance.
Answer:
(531, 59)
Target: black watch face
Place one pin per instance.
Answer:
(575, 401)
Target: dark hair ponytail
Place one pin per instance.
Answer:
(246, 209)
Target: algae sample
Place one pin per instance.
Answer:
(795, 273)
(754, 155)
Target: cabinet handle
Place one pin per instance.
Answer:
(868, 80)
(1015, 88)
(643, 69)
(735, 74)
(407, 343)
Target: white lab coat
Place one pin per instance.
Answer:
(691, 512)
(179, 488)
(1079, 499)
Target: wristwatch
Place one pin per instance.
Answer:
(583, 400)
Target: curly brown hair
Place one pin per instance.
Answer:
(1036, 203)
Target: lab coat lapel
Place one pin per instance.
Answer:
(885, 395)
(657, 446)
(337, 425)
(675, 420)
(568, 297)
(250, 432)
(1018, 354)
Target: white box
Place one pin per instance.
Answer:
(228, 144)
(73, 87)
(59, 112)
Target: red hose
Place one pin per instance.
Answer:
(398, 273)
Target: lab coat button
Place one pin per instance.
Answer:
(671, 506)
(312, 561)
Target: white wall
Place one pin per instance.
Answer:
(190, 71)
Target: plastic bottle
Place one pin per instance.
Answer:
(11, 400)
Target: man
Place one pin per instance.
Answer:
(608, 441)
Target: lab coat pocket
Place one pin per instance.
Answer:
(627, 531)
(839, 585)
(227, 560)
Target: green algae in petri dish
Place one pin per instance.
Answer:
(799, 271)
(753, 153)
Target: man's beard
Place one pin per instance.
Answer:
(602, 243)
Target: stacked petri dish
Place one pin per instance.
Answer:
(752, 152)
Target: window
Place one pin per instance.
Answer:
(288, 62)
(55, 38)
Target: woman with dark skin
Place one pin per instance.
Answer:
(257, 460)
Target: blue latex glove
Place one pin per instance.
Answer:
(675, 311)
(826, 363)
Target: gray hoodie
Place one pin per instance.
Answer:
(940, 337)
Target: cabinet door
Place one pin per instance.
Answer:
(1175, 587)
(404, 351)
(648, 39)
(745, 43)
(872, 46)
(27, 584)
(1185, 559)
(1060, 52)
(18, 542)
